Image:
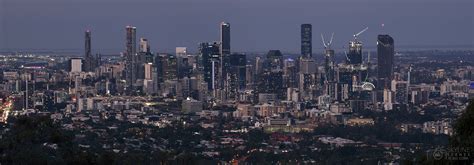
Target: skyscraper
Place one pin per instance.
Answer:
(130, 53)
(271, 78)
(131, 40)
(208, 53)
(225, 38)
(385, 55)
(235, 80)
(89, 61)
(290, 73)
(329, 69)
(329, 65)
(183, 63)
(224, 59)
(224, 48)
(238, 66)
(144, 46)
(170, 67)
(307, 78)
(306, 40)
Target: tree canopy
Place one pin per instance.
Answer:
(464, 128)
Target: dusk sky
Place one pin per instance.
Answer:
(256, 25)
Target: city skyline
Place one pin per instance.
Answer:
(236, 82)
(167, 29)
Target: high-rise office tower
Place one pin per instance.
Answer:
(144, 46)
(272, 82)
(208, 53)
(225, 45)
(306, 40)
(385, 55)
(158, 62)
(130, 54)
(225, 38)
(143, 57)
(329, 64)
(239, 63)
(271, 78)
(183, 63)
(290, 73)
(330, 75)
(89, 60)
(169, 67)
(131, 40)
(224, 59)
(224, 48)
(307, 78)
(235, 79)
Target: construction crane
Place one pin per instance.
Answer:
(356, 35)
(327, 45)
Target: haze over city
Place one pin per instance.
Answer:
(256, 25)
(237, 82)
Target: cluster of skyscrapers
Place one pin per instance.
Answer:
(217, 74)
